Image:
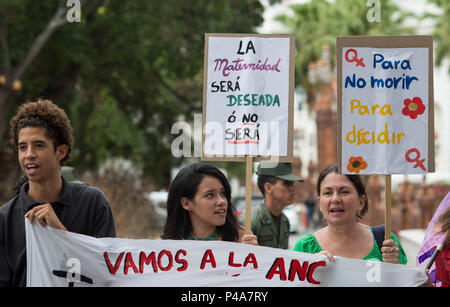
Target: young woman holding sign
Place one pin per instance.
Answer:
(199, 207)
(343, 201)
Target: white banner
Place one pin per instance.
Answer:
(60, 258)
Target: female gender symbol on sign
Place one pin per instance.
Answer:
(359, 62)
(419, 163)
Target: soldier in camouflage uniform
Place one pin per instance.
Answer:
(269, 223)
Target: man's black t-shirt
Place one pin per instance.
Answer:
(81, 208)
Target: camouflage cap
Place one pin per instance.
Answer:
(279, 170)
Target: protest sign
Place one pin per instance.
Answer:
(248, 97)
(248, 101)
(385, 104)
(61, 258)
(385, 107)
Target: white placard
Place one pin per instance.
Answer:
(385, 107)
(248, 97)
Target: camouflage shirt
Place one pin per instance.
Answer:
(263, 226)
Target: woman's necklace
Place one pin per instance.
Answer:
(211, 237)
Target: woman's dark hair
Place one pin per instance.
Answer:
(355, 179)
(185, 184)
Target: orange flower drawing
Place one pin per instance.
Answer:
(413, 108)
(356, 164)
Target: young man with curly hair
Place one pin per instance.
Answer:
(42, 135)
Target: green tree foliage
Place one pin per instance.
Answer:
(318, 22)
(124, 73)
(442, 30)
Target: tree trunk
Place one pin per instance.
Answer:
(6, 103)
(6, 91)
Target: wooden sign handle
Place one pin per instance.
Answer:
(248, 194)
(387, 211)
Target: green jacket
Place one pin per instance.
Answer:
(263, 226)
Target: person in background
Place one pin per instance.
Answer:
(437, 233)
(199, 207)
(343, 201)
(41, 133)
(443, 259)
(268, 222)
(310, 203)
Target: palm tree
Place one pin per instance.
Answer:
(318, 22)
(442, 30)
